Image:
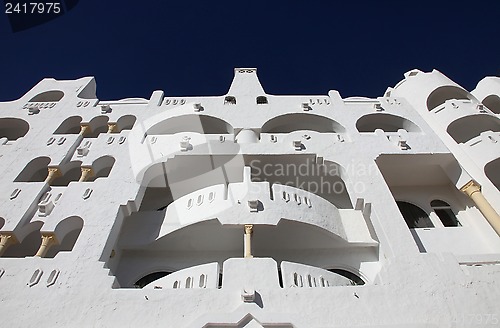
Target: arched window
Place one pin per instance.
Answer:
(445, 214)
(414, 216)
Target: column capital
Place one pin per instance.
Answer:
(53, 173)
(6, 239)
(87, 172)
(112, 127)
(470, 188)
(85, 128)
(248, 229)
(48, 239)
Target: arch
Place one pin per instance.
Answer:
(354, 278)
(102, 167)
(2, 222)
(149, 278)
(444, 93)
(386, 122)
(414, 216)
(493, 103)
(192, 123)
(468, 127)
(67, 231)
(492, 171)
(98, 125)
(71, 125)
(48, 96)
(34, 171)
(299, 121)
(445, 213)
(13, 128)
(69, 224)
(126, 122)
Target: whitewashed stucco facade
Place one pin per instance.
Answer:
(251, 210)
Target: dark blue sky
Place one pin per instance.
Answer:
(299, 47)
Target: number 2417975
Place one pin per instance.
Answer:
(33, 8)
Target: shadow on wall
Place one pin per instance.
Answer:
(493, 103)
(444, 93)
(48, 96)
(492, 171)
(34, 171)
(299, 121)
(13, 128)
(386, 122)
(468, 127)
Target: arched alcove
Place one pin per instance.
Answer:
(102, 167)
(192, 123)
(48, 96)
(35, 171)
(68, 230)
(493, 103)
(13, 128)
(444, 93)
(71, 125)
(468, 127)
(299, 121)
(126, 122)
(98, 125)
(492, 171)
(2, 222)
(386, 122)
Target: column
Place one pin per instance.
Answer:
(48, 240)
(54, 172)
(473, 190)
(6, 239)
(87, 172)
(248, 241)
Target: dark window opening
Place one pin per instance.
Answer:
(414, 216)
(150, 278)
(230, 100)
(445, 213)
(261, 100)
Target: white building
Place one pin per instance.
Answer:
(251, 210)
